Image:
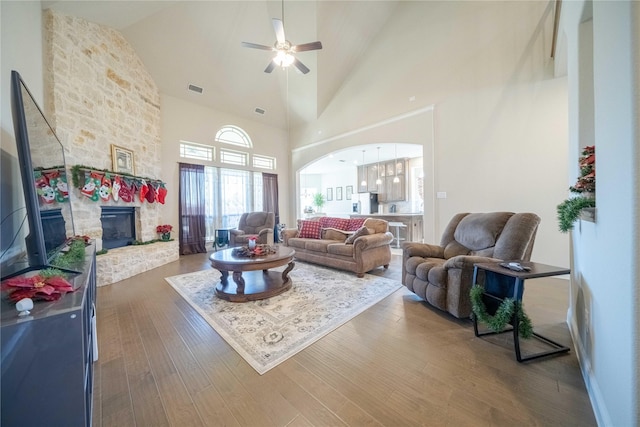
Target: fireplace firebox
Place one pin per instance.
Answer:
(118, 226)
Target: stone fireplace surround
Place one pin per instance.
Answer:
(98, 93)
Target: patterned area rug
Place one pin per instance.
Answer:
(267, 332)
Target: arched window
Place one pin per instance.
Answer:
(233, 135)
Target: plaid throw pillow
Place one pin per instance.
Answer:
(310, 229)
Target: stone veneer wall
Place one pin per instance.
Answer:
(98, 94)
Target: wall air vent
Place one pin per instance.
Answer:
(259, 111)
(195, 88)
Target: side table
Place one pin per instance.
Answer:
(221, 238)
(514, 281)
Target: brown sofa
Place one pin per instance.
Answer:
(332, 249)
(442, 274)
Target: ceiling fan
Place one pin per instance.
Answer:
(284, 49)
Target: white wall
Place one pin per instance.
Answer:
(605, 275)
(183, 120)
(499, 115)
(20, 50)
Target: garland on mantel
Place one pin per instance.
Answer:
(105, 185)
(503, 314)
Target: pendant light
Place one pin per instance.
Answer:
(396, 178)
(378, 181)
(364, 178)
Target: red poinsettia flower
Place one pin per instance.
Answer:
(165, 228)
(36, 287)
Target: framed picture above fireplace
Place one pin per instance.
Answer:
(122, 160)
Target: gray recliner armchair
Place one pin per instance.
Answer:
(442, 274)
(259, 224)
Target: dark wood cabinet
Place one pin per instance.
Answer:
(47, 357)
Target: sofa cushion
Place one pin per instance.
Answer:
(340, 249)
(333, 234)
(378, 225)
(310, 229)
(481, 230)
(362, 231)
(318, 245)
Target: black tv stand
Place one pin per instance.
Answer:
(50, 353)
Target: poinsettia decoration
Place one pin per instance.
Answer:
(586, 182)
(36, 287)
(165, 228)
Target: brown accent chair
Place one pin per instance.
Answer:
(442, 274)
(259, 224)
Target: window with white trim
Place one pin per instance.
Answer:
(232, 157)
(263, 162)
(234, 135)
(192, 150)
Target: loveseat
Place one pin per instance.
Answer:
(357, 245)
(442, 274)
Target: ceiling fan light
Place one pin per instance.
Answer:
(283, 59)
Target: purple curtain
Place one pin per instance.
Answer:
(270, 195)
(192, 209)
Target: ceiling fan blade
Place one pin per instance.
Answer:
(300, 66)
(307, 46)
(256, 46)
(270, 67)
(278, 27)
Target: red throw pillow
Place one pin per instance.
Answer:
(337, 223)
(310, 229)
(355, 223)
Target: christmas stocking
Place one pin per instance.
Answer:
(53, 178)
(126, 190)
(44, 190)
(144, 189)
(91, 184)
(105, 189)
(162, 193)
(151, 194)
(62, 189)
(115, 188)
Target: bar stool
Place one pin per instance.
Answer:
(398, 226)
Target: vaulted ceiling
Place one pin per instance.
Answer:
(199, 43)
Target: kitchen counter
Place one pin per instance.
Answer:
(413, 221)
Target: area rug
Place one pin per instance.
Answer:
(267, 332)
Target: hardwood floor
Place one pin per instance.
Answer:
(400, 363)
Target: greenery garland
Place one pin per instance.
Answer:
(74, 255)
(569, 211)
(503, 314)
(78, 175)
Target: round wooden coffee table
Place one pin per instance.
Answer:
(252, 279)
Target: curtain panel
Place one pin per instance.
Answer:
(192, 228)
(270, 194)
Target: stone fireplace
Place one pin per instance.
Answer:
(99, 95)
(118, 226)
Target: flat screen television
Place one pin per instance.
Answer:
(46, 197)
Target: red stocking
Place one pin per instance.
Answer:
(162, 193)
(144, 189)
